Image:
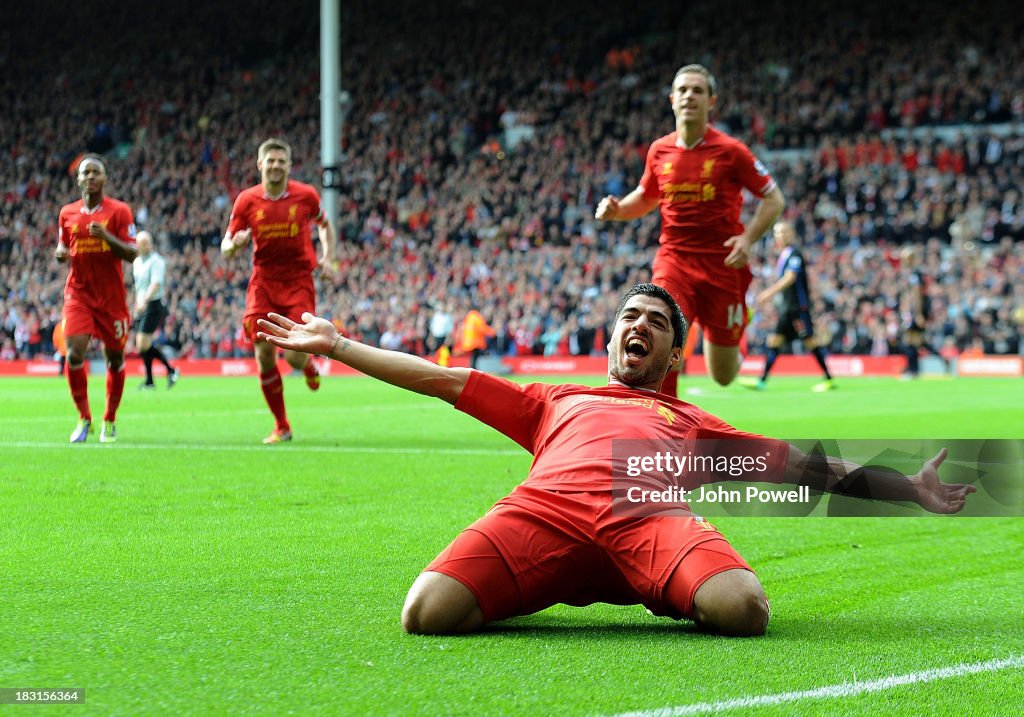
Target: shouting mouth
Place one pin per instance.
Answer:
(637, 349)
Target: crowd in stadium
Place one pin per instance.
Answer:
(471, 177)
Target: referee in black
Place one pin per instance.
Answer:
(917, 312)
(149, 271)
(793, 301)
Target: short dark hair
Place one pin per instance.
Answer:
(95, 158)
(700, 70)
(274, 143)
(679, 326)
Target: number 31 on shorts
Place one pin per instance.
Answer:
(121, 328)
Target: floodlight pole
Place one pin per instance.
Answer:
(330, 107)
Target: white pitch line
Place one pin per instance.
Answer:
(846, 689)
(291, 448)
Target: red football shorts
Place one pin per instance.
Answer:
(707, 291)
(537, 548)
(289, 298)
(109, 323)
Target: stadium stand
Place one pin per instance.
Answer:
(479, 137)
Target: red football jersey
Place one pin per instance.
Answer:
(96, 278)
(571, 430)
(282, 247)
(701, 189)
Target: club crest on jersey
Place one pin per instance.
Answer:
(667, 414)
(667, 168)
(260, 214)
(709, 166)
(291, 211)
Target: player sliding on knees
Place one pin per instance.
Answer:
(557, 537)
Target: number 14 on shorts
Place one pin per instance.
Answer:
(734, 315)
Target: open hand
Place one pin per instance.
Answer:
(316, 336)
(936, 496)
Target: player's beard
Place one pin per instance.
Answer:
(649, 373)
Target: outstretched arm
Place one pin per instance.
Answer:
(834, 475)
(318, 336)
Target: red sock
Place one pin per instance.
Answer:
(115, 387)
(273, 391)
(671, 383)
(78, 380)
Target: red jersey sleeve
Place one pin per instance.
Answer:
(736, 442)
(751, 173)
(62, 235)
(238, 220)
(510, 408)
(125, 224)
(649, 182)
(316, 211)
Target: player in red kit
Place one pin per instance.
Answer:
(696, 175)
(275, 216)
(561, 536)
(95, 234)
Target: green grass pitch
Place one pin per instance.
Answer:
(190, 570)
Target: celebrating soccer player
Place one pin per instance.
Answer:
(275, 216)
(697, 175)
(917, 313)
(95, 234)
(557, 537)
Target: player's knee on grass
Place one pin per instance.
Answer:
(731, 603)
(438, 604)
